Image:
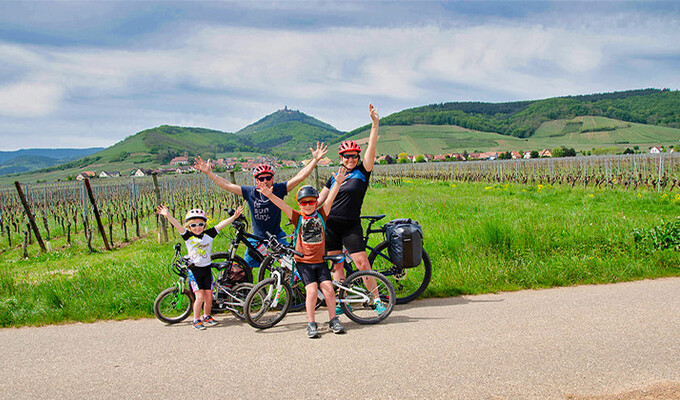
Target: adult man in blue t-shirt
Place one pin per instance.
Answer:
(265, 216)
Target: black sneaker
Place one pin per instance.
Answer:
(312, 330)
(335, 325)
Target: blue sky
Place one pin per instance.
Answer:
(84, 74)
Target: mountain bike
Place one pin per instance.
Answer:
(270, 299)
(175, 303)
(257, 252)
(409, 283)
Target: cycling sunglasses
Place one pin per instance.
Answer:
(199, 224)
(307, 202)
(352, 156)
(264, 178)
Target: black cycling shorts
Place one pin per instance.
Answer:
(200, 278)
(314, 272)
(344, 233)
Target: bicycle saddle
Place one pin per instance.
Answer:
(221, 265)
(373, 217)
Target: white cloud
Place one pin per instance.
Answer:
(234, 75)
(29, 99)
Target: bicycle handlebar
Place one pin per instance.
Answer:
(277, 247)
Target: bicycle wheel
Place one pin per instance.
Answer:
(224, 256)
(298, 299)
(267, 303)
(358, 303)
(171, 306)
(241, 291)
(409, 283)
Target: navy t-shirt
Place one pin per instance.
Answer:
(265, 215)
(347, 204)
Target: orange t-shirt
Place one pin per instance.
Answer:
(311, 239)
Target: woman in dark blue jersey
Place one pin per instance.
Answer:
(343, 227)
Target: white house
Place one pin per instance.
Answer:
(109, 174)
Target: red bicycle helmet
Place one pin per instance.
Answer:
(195, 213)
(262, 169)
(349, 145)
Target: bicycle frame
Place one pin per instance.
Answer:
(241, 237)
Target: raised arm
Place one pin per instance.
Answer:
(317, 155)
(339, 178)
(323, 195)
(269, 193)
(163, 210)
(369, 158)
(229, 220)
(206, 168)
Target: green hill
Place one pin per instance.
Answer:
(522, 119)
(150, 148)
(282, 117)
(642, 118)
(26, 163)
(288, 133)
(592, 132)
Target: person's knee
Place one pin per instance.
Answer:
(361, 261)
(312, 289)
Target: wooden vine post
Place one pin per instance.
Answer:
(31, 219)
(162, 226)
(96, 213)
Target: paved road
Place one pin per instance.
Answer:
(545, 344)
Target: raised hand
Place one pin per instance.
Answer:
(163, 210)
(238, 211)
(374, 113)
(203, 166)
(340, 175)
(320, 152)
(264, 189)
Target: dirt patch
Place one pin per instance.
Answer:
(659, 391)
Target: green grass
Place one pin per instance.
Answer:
(481, 238)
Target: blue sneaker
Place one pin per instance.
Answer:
(379, 307)
(338, 310)
(198, 325)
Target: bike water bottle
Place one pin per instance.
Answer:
(262, 249)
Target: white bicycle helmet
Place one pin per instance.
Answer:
(195, 213)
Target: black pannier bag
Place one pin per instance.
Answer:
(405, 238)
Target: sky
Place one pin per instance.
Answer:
(90, 74)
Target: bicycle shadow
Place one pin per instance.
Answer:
(223, 321)
(443, 302)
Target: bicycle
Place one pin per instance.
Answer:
(409, 283)
(175, 303)
(270, 299)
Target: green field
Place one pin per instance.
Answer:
(442, 139)
(481, 238)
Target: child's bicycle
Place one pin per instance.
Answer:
(174, 304)
(270, 299)
(409, 282)
(258, 252)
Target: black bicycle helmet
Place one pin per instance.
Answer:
(307, 191)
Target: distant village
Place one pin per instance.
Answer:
(183, 164)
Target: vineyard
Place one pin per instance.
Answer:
(123, 209)
(654, 172)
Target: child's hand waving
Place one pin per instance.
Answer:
(238, 212)
(340, 175)
(264, 189)
(163, 210)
